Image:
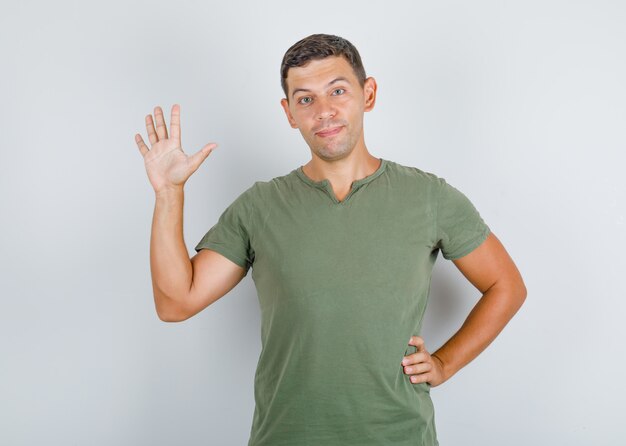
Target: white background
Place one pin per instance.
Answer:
(520, 105)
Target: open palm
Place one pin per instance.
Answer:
(166, 164)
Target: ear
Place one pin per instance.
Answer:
(292, 122)
(369, 93)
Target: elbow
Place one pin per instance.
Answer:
(520, 293)
(168, 310)
(172, 316)
(164, 317)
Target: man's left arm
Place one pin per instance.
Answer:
(492, 271)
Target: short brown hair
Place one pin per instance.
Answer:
(320, 46)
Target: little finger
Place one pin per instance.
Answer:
(152, 135)
(143, 148)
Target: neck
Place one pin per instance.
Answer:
(342, 172)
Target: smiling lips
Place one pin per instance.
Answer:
(329, 132)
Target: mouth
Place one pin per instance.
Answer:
(329, 132)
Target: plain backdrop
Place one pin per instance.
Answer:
(520, 105)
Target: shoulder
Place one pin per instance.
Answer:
(264, 193)
(413, 176)
(265, 188)
(410, 172)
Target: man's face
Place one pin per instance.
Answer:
(326, 103)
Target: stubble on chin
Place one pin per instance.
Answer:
(334, 150)
(332, 153)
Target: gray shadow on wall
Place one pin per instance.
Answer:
(451, 299)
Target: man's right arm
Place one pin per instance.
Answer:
(182, 286)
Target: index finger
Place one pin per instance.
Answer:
(175, 123)
(418, 342)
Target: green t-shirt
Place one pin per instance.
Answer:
(342, 286)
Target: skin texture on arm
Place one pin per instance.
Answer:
(183, 287)
(213, 276)
(492, 271)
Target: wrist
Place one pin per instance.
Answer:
(445, 370)
(169, 192)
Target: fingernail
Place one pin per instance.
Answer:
(405, 361)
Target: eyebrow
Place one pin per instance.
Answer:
(328, 85)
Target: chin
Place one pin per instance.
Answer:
(330, 155)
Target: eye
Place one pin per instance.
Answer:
(305, 100)
(340, 90)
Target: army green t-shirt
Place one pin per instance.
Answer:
(342, 286)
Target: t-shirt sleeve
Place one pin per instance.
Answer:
(460, 228)
(230, 236)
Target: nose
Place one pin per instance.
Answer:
(324, 110)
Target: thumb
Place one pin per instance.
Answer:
(198, 158)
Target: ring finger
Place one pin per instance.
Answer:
(152, 136)
(161, 129)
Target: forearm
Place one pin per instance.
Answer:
(486, 320)
(171, 268)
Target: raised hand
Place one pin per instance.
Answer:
(168, 167)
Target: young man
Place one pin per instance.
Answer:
(341, 251)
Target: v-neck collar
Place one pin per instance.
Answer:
(327, 187)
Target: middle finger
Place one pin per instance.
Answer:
(415, 358)
(418, 368)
